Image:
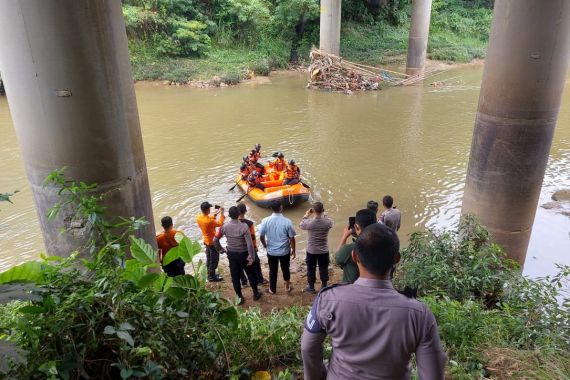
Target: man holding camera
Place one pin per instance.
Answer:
(343, 257)
(318, 225)
(208, 224)
(374, 329)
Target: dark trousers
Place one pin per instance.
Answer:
(257, 271)
(175, 268)
(238, 263)
(292, 181)
(274, 262)
(212, 259)
(322, 260)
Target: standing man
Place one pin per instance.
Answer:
(343, 257)
(242, 208)
(374, 329)
(372, 205)
(241, 254)
(391, 216)
(165, 242)
(208, 224)
(318, 225)
(277, 235)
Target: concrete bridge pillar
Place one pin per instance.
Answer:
(330, 26)
(417, 42)
(66, 69)
(525, 72)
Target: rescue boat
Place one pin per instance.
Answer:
(288, 195)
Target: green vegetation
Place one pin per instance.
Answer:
(483, 305)
(103, 314)
(181, 40)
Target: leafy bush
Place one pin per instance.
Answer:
(261, 67)
(111, 316)
(232, 77)
(260, 337)
(462, 264)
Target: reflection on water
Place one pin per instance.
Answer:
(411, 142)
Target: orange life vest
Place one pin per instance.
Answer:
(292, 172)
(279, 164)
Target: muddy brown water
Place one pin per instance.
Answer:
(411, 142)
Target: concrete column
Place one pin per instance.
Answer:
(525, 72)
(330, 26)
(417, 42)
(66, 69)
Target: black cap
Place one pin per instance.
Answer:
(280, 154)
(291, 162)
(205, 205)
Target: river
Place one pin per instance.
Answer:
(410, 142)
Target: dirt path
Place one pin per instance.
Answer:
(281, 299)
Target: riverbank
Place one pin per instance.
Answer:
(375, 45)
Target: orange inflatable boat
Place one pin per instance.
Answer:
(288, 195)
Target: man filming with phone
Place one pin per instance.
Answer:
(208, 224)
(343, 256)
(318, 225)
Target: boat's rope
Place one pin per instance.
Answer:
(290, 194)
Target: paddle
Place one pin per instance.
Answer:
(305, 185)
(234, 186)
(243, 196)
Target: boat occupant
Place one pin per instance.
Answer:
(244, 172)
(292, 174)
(254, 180)
(278, 166)
(253, 156)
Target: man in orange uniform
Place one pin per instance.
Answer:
(165, 242)
(278, 165)
(208, 224)
(292, 174)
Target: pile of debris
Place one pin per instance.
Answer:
(332, 73)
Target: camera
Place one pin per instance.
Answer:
(217, 207)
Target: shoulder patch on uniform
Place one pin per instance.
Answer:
(312, 323)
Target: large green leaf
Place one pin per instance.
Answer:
(186, 282)
(142, 251)
(147, 280)
(31, 271)
(134, 271)
(229, 317)
(172, 254)
(189, 249)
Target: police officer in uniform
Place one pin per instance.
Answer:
(374, 329)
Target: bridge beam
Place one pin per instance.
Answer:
(524, 76)
(418, 39)
(330, 26)
(66, 69)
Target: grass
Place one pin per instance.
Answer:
(229, 64)
(384, 44)
(373, 44)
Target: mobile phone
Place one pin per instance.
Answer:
(217, 207)
(351, 221)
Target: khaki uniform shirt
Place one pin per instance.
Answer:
(318, 228)
(374, 331)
